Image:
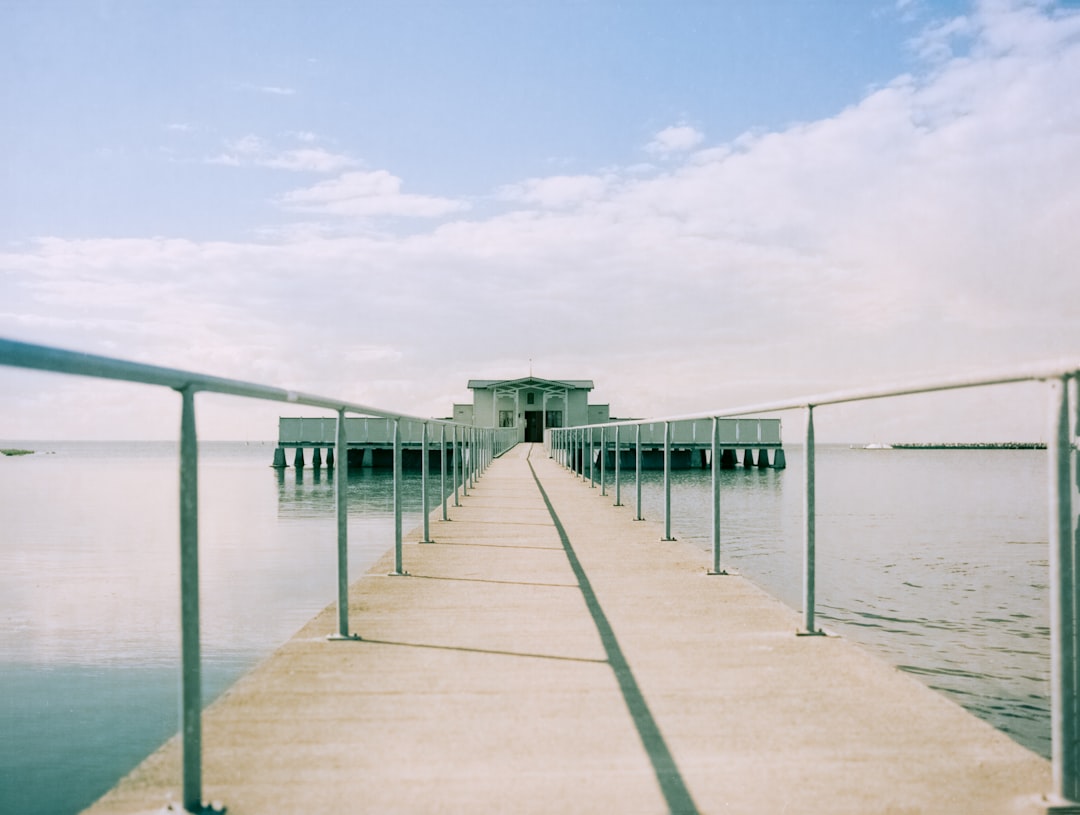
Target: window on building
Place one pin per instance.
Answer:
(554, 418)
(530, 398)
(506, 418)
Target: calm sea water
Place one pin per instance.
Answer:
(935, 559)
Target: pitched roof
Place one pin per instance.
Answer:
(531, 381)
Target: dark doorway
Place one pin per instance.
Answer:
(534, 426)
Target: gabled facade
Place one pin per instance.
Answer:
(531, 404)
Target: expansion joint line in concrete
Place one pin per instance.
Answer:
(671, 782)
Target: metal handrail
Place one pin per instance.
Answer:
(474, 448)
(568, 446)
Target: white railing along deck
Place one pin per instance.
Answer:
(571, 445)
(474, 448)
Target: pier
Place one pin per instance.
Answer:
(370, 442)
(548, 653)
(539, 647)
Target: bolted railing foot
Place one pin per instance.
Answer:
(211, 808)
(341, 637)
(1059, 806)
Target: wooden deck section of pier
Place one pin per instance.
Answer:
(580, 666)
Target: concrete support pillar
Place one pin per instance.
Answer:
(279, 458)
(330, 458)
(316, 457)
(728, 459)
(299, 460)
(763, 458)
(748, 458)
(779, 461)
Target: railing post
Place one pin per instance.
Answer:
(603, 461)
(474, 457)
(1064, 724)
(398, 570)
(464, 468)
(442, 470)
(809, 530)
(714, 461)
(618, 469)
(455, 463)
(424, 466)
(637, 470)
(667, 482)
(341, 492)
(190, 657)
(592, 456)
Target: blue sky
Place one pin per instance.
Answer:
(694, 204)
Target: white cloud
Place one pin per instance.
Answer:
(928, 228)
(676, 139)
(271, 90)
(309, 160)
(368, 194)
(253, 151)
(556, 192)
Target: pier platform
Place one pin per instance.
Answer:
(548, 654)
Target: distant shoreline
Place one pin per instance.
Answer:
(992, 445)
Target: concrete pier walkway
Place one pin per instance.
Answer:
(548, 654)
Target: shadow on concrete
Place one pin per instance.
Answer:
(498, 582)
(667, 772)
(496, 546)
(484, 651)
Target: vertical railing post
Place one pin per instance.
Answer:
(592, 456)
(714, 461)
(464, 467)
(809, 528)
(474, 457)
(618, 469)
(1064, 724)
(667, 481)
(424, 467)
(341, 493)
(637, 470)
(603, 461)
(190, 657)
(442, 470)
(398, 570)
(455, 463)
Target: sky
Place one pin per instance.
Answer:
(696, 204)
